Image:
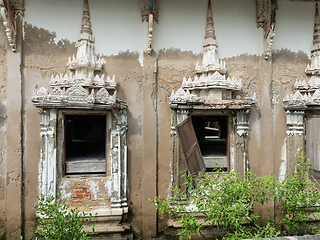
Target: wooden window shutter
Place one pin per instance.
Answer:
(190, 146)
(313, 141)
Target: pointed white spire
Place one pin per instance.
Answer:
(315, 49)
(210, 33)
(316, 29)
(86, 22)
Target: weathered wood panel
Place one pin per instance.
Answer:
(312, 141)
(86, 166)
(190, 146)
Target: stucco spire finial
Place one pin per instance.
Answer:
(86, 22)
(209, 26)
(314, 68)
(316, 31)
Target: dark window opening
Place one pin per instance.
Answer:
(85, 144)
(212, 135)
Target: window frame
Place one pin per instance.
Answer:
(62, 129)
(227, 134)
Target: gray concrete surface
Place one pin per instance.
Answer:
(305, 237)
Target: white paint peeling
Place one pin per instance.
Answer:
(64, 193)
(108, 186)
(276, 98)
(283, 166)
(141, 59)
(232, 158)
(94, 189)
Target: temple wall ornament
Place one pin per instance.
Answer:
(84, 88)
(263, 10)
(294, 122)
(10, 9)
(9, 22)
(267, 12)
(47, 163)
(149, 13)
(119, 157)
(211, 99)
(314, 68)
(18, 6)
(182, 115)
(145, 10)
(307, 92)
(242, 122)
(210, 87)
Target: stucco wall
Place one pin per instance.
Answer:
(50, 31)
(3, 132)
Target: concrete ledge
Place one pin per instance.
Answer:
(305, 237)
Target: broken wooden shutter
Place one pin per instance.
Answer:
(190, 146)
(313, 141)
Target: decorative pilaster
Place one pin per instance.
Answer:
(242, 122)
(295, 122)
(182, 115)
(295, 137)
(47, 164)
(119, 158)
(242, 130)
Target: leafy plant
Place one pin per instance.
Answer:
(299, 198)
(225, 200)
(57, 221)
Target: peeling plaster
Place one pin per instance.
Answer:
(108, 186)
(283, 166)
(3, 149)
(232, 158)
(141, 59)
(94, 188)
(66, 194)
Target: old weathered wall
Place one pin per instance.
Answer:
(42, 57)
(3, 132)
(145, 83)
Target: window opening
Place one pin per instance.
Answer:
(85, 144)
(312, 143)
(212, 135)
